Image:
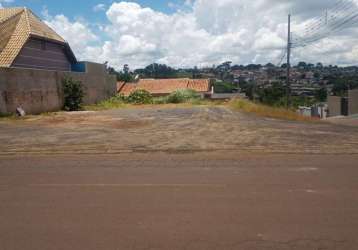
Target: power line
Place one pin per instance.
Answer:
(343, 13)
(282, 57)
(330, 21)
(342, 18)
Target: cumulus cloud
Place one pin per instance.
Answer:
(77, 33)
(206, 33)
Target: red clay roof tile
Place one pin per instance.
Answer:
(164, 86)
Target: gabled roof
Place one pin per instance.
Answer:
(17, 25)
(165, 86)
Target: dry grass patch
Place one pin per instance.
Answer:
(268, 111)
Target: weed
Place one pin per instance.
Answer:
(267, 111)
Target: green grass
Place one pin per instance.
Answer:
(115, 102)
(267, 111)
(6, 116)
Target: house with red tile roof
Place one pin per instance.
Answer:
(163, 87)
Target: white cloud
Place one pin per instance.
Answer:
(77, 33)
(5, 2)
(99, 7)
(207, 33)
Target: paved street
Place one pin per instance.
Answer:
(218, 200)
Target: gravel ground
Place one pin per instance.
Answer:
(171, 129)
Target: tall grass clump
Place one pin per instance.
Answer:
(267, 111)
(118, 101)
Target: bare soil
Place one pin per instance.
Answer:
(172, 129)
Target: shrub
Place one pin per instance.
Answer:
(224, 87)
(160, 100)
(140, 96)
(183, 95)
(73, 94)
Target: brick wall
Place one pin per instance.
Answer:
(39, 91)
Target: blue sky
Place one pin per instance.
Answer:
(84, 8)
(186, 33)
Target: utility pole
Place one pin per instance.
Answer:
(289, 45)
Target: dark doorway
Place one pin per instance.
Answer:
(344, 106)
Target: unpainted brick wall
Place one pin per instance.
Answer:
(38, 91)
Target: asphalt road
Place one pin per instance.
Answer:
(217, 200)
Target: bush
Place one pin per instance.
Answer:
(160, 100)
(224, 87)
(73, 94)
(181, 96)
(140, 97)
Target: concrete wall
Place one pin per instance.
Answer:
(353, 102)
(335, 105)
(38, 91)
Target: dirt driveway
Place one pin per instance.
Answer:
(171, 129)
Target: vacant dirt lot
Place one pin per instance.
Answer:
(171, 129)
(203, 178)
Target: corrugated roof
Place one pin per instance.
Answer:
(165, 86)
(16, 26)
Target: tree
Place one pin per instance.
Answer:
(159, 71)
(321, 95)
(319, 65)
(125, 75)
(273, 95)
(302, 65)
(270, 65)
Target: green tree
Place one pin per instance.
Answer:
(157, 71)
(321, 95)
(302, 65)
(125, 75)
(272, 95)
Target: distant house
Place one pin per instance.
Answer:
(163, 87)
(27, 42)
